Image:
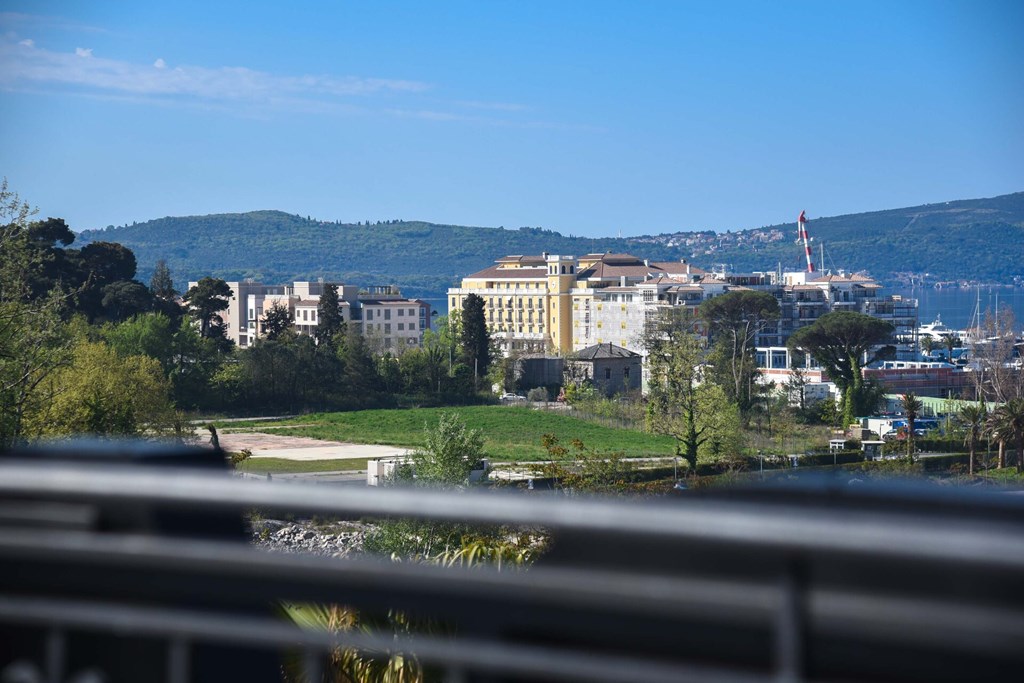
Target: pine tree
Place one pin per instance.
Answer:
(329, 321)
(161, 284)
(475, 339)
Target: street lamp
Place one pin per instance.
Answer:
(760, 458)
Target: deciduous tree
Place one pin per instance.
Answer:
(734, 320)
(683, 403)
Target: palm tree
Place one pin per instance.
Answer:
(912, 406)
(973, 420)
(927, 344)
(994, 429)
(950, 341)
(1009, 426)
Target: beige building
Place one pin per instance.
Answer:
(541, 303)
(382, 314)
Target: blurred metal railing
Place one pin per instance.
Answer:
(820, 581)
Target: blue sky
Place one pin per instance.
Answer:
(591, 118)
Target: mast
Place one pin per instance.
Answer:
(801, 227)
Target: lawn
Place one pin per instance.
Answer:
(510, 433)
(283, 465)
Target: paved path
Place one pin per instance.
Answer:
(303, 448)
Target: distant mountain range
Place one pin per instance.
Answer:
(974, 239)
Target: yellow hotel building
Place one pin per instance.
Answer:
(529, 301)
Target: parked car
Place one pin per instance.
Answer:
(511, 398)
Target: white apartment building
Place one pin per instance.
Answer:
(371, 311)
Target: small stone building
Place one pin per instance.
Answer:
(610, 368)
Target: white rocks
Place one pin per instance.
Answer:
(333, 539)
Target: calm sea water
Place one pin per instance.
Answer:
(956, 306)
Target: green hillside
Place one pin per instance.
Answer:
(979, 239)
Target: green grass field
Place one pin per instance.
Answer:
(510, 433)
(283, 465)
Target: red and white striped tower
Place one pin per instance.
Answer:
(801, 229)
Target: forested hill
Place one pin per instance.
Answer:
(978, 239)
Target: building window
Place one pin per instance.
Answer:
(401, 312)
(369, 314)
(401, 327)
(607, 373)
(625, 372)
(387, 314)
(453, 302)
(387, 330)
(412, 311)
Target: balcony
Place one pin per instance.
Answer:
(147, 566)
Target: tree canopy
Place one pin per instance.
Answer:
(206, 300)
(843, 342)
(476, 340)
(734, 320)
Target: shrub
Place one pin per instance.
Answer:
(537, 394)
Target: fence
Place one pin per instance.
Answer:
(135, 572)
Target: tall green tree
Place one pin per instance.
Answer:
(911, 406)
(1008, 425)
(683, 403)
(149, 334)
(34, 342)
(162, 284)
(328, 312)
(734, 320)
(277, 320)
(206, 300)
(972, 418)
(843, 342)
(101, 392)
(475, 339)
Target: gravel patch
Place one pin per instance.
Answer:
(328, 539)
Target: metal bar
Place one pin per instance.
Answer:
(178, 660)
(789, 628)
(469, 653)
(254, 575)
(249, 568)
(313, 665)
(784, 527)
(56, 649)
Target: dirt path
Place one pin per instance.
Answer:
(303, 448)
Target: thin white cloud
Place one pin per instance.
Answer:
(493, 106)
(22, 65)
(28, 42)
